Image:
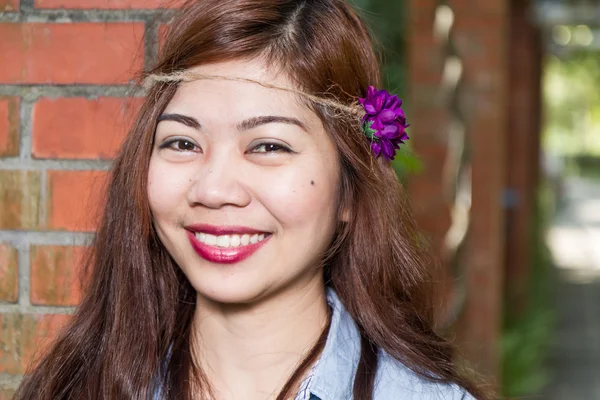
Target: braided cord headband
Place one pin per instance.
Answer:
(379, 114)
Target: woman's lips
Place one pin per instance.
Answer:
(221, 229)
(236, 252)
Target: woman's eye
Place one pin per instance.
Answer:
(180, 145)
(270, 148)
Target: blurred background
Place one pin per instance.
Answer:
(503, 168)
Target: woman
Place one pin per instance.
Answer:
(254, 243)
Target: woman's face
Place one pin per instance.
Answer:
(243, 184)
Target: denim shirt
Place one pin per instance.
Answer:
(333, 378)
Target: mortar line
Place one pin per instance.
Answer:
(150, 43)
(24, 279)
(49, 238)
(10, 381)
(63, 16)
(26, 7)
(35, 310)
(18, 164)
(10, 17)
(34, 91)
(25, 129)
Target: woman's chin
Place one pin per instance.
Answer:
(231, 293)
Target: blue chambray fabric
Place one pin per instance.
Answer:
(333, 376)
(304, 391)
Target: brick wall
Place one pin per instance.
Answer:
(65, 106)
(480, 38)
(523, 152)
(499, 102)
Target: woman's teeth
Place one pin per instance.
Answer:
(227, 241)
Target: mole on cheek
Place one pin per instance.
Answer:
(312, 183)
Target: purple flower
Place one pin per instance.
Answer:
(384, 122)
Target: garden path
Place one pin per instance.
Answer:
(574, 241)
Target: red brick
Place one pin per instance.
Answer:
(95, 53)
(74, 199)
(108, 4)
(481, 24)
(9, 5)
(433, 126)
(9, 126)
(19, 197)
(481, 40)
(9, 274)
(23, 338)
(7, 394)
(426, 59)
(79, 128)
(54, 275)
(421, 12)
(480, 8)
(480, 37)
(163, 30)
(424, 95)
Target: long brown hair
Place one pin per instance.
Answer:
(138, 307)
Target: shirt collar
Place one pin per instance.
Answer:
(334, 375)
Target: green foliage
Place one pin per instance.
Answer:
(573, 104)
(369, 132)
(407, 162)
(572, 131)
(386, 20)
(527, 336)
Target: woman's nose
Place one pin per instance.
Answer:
(220, 182)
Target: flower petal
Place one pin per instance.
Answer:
(389, 131)
(386, 121)
(387, 149)
(388, 115)
(371, 91)
(370, 108)
(375, 148)
(377, 126)
(393, 102)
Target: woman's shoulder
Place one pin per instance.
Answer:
(394, 380)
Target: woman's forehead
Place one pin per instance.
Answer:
(238, 99)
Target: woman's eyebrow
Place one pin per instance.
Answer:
(245, 125)
(253, 122)
(182, 119)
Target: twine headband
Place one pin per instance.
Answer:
(379, 114)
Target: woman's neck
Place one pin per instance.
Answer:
(248, 352)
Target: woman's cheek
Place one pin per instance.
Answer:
(296, 196)
(167, 185)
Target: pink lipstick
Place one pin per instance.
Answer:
(225, 244)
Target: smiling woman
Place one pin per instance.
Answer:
(256, 243)
(243, 174)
